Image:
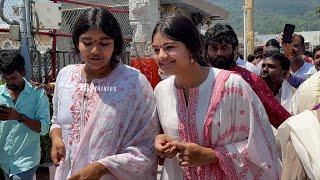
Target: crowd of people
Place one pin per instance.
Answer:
(213, 116)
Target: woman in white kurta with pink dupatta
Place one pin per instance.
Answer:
(104, 113)
(211, 118)
(119, 123)
(235, 126)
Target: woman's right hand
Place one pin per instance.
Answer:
(58, 151)
(164, 149)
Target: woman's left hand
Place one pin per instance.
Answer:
(193, 155)
(91, 172)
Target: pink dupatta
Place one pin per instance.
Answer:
(238, 159)
(121, 129)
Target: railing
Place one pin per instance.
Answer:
(58, 43)
(42, 67)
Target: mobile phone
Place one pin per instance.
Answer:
(3, 108)
(288, 32)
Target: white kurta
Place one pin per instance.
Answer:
(307, 96)
(285, 94)
(304, 132)
(113, 121)
(240, 131)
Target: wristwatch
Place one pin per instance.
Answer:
(22, 118)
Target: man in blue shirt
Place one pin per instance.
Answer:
(24, 116)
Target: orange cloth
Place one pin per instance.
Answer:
(148, 67)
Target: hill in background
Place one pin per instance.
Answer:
(271, 15)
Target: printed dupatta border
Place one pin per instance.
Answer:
(187, 126)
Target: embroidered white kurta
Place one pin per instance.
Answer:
(113, 121)
(223, 113)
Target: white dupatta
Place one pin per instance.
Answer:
(304, 132)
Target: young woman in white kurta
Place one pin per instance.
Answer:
(215, 126)
(104, 115)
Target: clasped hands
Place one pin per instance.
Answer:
(189, 154)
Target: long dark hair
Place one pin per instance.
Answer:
(101, 18)
(180, 28)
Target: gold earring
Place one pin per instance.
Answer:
(192, 61)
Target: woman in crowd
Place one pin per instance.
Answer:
(104, 115)
(214, 125)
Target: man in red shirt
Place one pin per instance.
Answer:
(221, 46)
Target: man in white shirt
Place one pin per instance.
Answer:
(293, 51)
(275, 67)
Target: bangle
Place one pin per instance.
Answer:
(22, 118)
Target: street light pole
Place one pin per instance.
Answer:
(249, 27)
